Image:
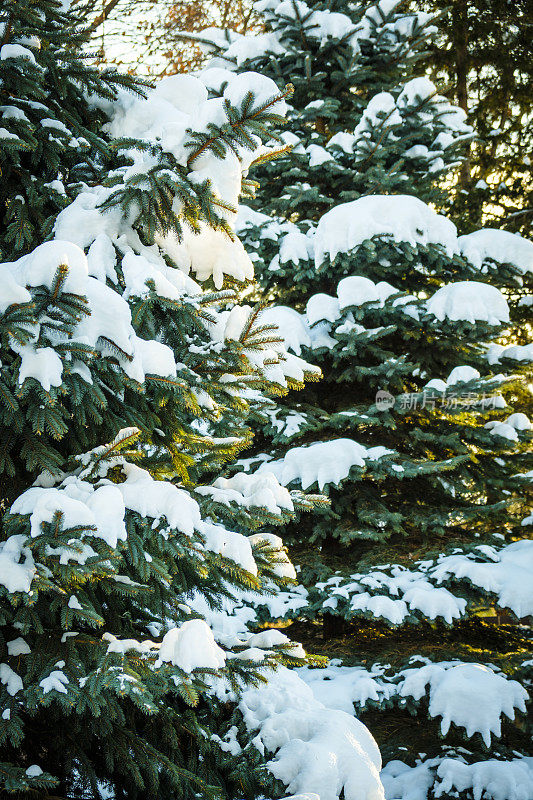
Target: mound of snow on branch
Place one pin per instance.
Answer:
(322, 463)
(470, 301)
(500, 246)
(395, 592)
(402, 218)
(316, 750)
(471, 696)
(507, 574)
(191, 646)
(259, 491)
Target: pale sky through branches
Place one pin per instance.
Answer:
(141, 36)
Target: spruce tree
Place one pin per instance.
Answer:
(360, 112)
(419, 569)
(129, 668)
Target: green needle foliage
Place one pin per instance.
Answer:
(416, 432)
(115, 557)
(50, 136)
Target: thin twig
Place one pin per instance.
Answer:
(103, 16)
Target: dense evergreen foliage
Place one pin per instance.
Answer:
(149, 441)
(129, 667)
(417, 431)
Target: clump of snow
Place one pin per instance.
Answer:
(379, 605)
(267, 639)
(402, 782)
(395, 592)
(492, 779)
(11, 291)
(57, 681)
(517, 352)
(316, 749)
(356, 290)
(322, 307)
(9, 51)
(16, 574)
(318, 155)
(18, 647)
(257, 490)
(462, 374)
(352, 291)
(448, 776)
(322, 462)
(503, 430)
(137, 270)
(123, 646)
(41, 363)
(108, 318)
(470, 301)
(319, 24)
(294, 246)
(291, 326)
(502, 247)
(437, 384)
(507, 575)
(100, 511)
(283, 566)
(39, 267)
(288, 424)
(180, 103)
(434, 602)
(401, 217)
(150, 498)
(275, 363)
(285, 604)
(393, 596)
(34, 771)
(519, 421)
(229, 544)
(82, 223)
(210, 253)
(471, 696)
(343, 687)
(380, 110)
(343, 140)
(191, 646)
(10, 679)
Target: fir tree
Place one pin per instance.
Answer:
(128, 664)
(415, 434)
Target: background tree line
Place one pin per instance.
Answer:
(481, 60)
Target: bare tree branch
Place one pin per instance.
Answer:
(102, 16)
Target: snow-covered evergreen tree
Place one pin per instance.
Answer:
(129, 667)
(416, 432)
(49, 133)
(360, 114)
